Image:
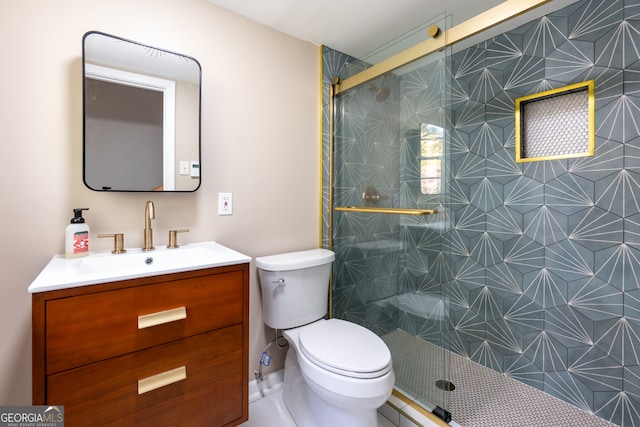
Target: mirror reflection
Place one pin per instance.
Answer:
(141, 117)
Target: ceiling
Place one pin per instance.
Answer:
(360, 27)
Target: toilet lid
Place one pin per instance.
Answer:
(345, 348)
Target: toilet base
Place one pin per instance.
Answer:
(308, 409)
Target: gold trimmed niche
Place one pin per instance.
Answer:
(556, 124)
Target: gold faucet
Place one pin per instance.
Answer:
(149, 214)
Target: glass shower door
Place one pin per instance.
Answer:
(391, 269)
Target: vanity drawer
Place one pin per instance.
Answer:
(110, 392)
(87, 328)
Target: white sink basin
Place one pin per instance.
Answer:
(101, 267)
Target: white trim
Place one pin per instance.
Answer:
(168, 88)
(271, 383)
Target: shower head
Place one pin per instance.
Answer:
(382, 93)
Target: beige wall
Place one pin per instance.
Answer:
(260, 141)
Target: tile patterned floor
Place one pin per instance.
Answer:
(482, 397)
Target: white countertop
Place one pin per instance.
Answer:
(102, 267)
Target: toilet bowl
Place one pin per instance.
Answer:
(337, 373)
(324, 387)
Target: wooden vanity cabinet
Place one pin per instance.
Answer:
(168, 350)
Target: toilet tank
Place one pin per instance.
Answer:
(295, 287)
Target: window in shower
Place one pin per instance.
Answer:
(431, 158)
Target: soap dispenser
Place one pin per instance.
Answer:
(77, 236)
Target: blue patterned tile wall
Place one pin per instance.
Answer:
(545, 256)
(343, 66)
(545, 294)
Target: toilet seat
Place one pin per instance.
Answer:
(353, 350)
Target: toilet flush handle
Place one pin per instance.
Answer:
(280, 281)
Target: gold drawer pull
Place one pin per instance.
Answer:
(163, 379)
(166, 316)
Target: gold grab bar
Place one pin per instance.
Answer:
(395, 211)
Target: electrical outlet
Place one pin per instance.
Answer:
(225, 204)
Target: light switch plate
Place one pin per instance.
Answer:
(184, 167)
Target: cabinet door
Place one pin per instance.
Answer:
(124, 392)
(88, 328)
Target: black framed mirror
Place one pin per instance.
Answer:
(141, 116)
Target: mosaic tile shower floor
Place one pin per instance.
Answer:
(482, 397)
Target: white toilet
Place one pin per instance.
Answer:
(336, 373)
